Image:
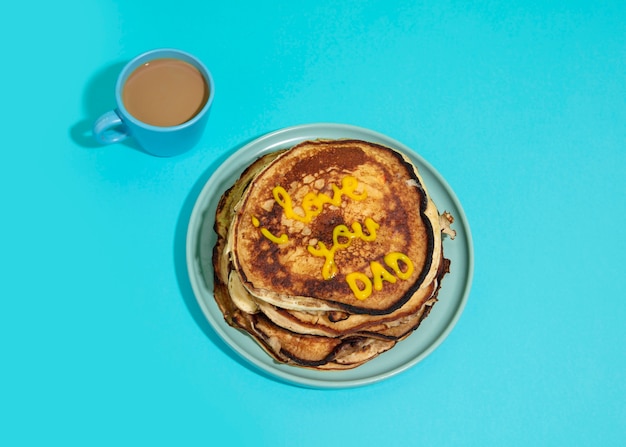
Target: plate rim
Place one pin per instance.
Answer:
(236, 162)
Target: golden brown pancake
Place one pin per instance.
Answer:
(314, 254)
(328, 253)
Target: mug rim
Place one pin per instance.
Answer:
(161, 53)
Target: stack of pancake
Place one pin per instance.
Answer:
(329, 253)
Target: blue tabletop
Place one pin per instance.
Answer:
(520, 106)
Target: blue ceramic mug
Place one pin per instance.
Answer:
(160, 140)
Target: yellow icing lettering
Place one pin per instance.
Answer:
(349, 184)
(393, 259)
(283, 198)
(354, 279)
(329, 270)
(313, 204)
(380, 274)
(371, 226)
(342, 238)
(361, 284)
(282, 239)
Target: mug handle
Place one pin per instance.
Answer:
(110, 128)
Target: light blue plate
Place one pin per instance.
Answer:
(452, 297)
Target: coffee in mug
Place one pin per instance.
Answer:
(163, 100)
(165, 92)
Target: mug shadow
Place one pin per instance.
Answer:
(98, 98)
(182, 275)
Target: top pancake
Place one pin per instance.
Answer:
(327, 217)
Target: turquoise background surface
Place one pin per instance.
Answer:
(520, 105)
